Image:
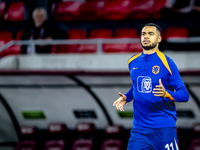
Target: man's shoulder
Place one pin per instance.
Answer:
(133, 57)
(165, 56)
(167, 61)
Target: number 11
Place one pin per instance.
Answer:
(167, 146)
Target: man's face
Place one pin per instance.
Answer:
(150, 37)
(39, 17)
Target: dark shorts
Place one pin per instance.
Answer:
(153, 139)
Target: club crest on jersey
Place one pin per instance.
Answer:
(156, 69)
(144, 84)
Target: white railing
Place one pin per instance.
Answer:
(183, 40)
(99, 42)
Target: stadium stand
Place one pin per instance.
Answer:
(28, 132)
(85, 130)
(95, 34)
(112, 144)
(65, 11)
(117, 10)
(55, 144)
(86, 144)
(196, 128)
(73, 34)
(114, 137)
(5, 37)
(126, 47)
(176, 32)
(114, 130)
(57, 131)
(57, 128)
(22, 145)
(92, 10)
(195, 144)
(141, 9)
(15, 12)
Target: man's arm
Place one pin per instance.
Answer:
(180, 93)
(129, 94)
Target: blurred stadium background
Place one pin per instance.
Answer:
(62, 99)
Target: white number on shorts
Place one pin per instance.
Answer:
(168, 146)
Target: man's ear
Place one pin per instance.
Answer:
(159, 39)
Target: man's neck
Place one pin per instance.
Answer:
(151, 51)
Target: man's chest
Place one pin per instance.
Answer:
(145, 75)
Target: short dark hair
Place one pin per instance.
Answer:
(155, 25)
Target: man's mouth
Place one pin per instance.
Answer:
(146, 41)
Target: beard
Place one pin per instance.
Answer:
(153, 45)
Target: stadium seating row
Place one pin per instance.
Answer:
(90, 10)
(6, 36)
(82, 142)
(107, 9)
(14, 12)
(85, 139)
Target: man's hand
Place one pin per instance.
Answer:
(159, 90)
(120, 102)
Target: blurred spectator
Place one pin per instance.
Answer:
(40, 28)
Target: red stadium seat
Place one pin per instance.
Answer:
(125, 47)
(141, 9)
(114, 132)
(82, 144)
(26, 145)
(117, 10)
(126, 33)
(28, 130)
(73, 34)
(130, 33)
(176, 32)
(196, 127)
(19, 35)
(2, 9)
(68, 10)
(85, 129)
(113, 144)
(77, 34)
(57, 128)
(92, 10)
(95, 34)
(55, 145)
(135, 47)
(101, 33)
(5, 37)
(15, 12)
(114, 129)
(194, 144)
(87, 48)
